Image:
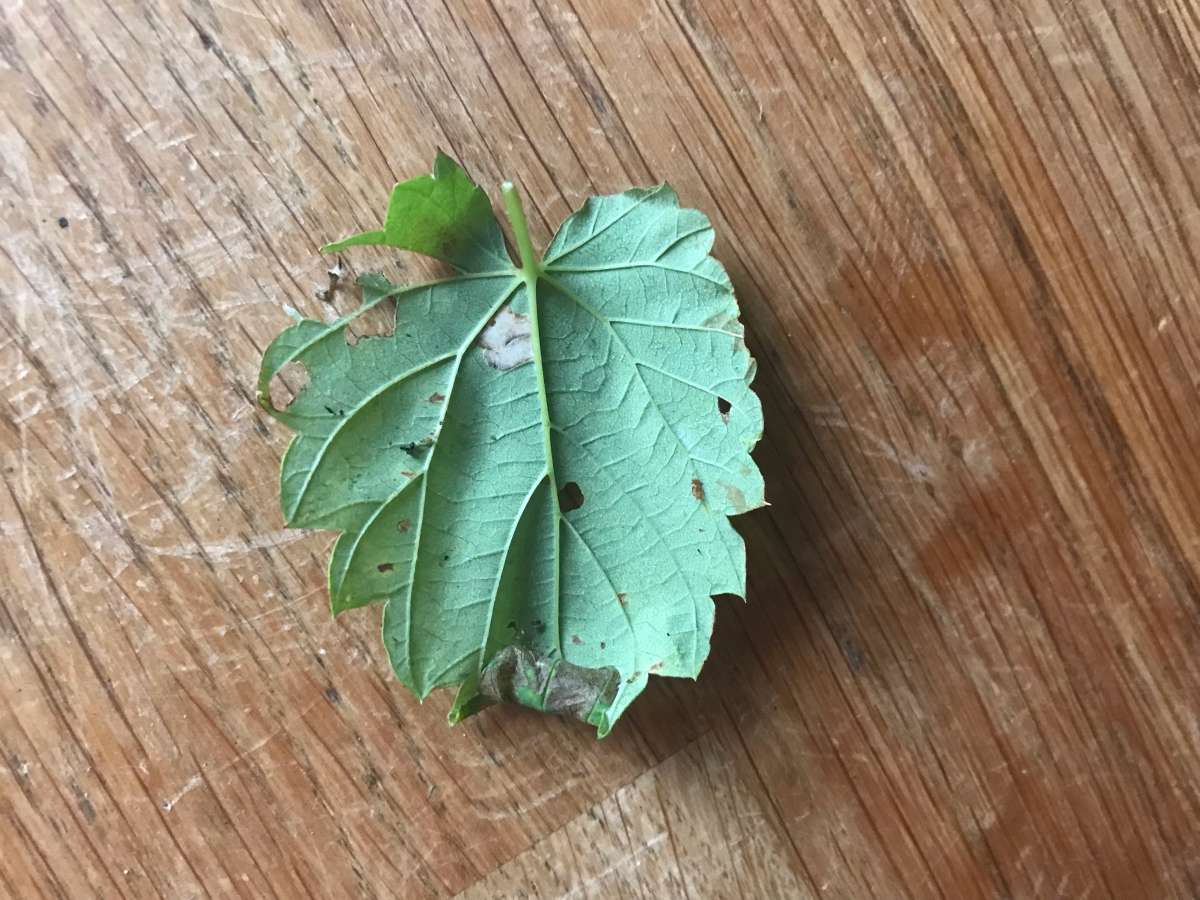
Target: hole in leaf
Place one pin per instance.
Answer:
(385, 567)
(377, 322)
(570, 497)
(723, 407)
(286, 384)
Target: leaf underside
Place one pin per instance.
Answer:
(534, 472)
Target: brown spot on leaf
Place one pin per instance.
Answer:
(576, 639)
(436, 397)
(658, 665)
(450, 243)
(698, 489)
(385, 567)
(403, 525)
(736, 498)
(621, 597)
(408, 473)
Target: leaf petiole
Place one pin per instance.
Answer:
(531, 266)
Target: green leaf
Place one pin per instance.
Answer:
(443, 215)
(534, 472)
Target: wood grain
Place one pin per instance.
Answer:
(966, 239)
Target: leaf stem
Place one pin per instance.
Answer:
(530, 265)
(531, 272)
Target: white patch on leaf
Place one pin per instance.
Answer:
(506, 343)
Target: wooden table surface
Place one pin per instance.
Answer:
(966, 240)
